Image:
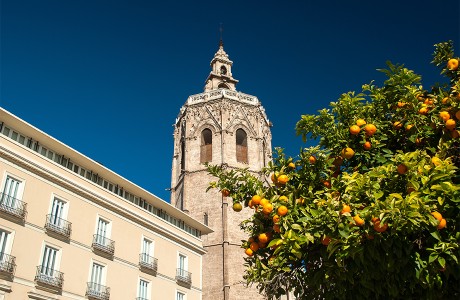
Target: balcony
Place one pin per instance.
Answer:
(13, 206)
(7, 265)
(97, 291)
(49, 277)
(58, 225)
(183, 277)
(103, 244)
(148, 263)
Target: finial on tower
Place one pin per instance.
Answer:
(221, 29)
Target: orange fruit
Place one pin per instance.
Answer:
(402, 169)
(283, 179)
(251, 239)
(436, 161)
(283, 198)
(408, 127)
(250, 204)
(420, 97)
(274, 177)
(452, 64)
(256, 199)
(249, 252)
(291, 165)
(442, 224)
(358, 220)
(282, 210)
(345, 209)
(367, 145)
(225, 192)
(437, 215)
(276, 219)
(262, 245)
(277, 228)
(455, 134)
(445, 100)
(354, 130)
(428, 101)
(380, 228)
(457, 115)
(360, 122)
(237, 207)
(397, 125)
(327, 183)
(370, 129)
(325, 240)
(264, 201)
(300, 201)
(268, 208)
(263, 238)
(444, 115)
(312, 160)
(347, 153)
(450, 124)
(401, 104)
(423, 110)
(254, 246)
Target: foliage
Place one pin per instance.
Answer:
(363, 226)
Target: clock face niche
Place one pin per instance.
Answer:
(223, 70)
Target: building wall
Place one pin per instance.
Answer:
(43, 180)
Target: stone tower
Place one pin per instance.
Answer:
(223, 127)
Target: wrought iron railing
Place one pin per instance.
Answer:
(148, 262)
(97, 291)
(141, 298)
(183, 276)
(104, 244)
(7, 263)
(49, 277)
(13, 206)
(58, 225)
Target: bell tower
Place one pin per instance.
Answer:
(220, 126)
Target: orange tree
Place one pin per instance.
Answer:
(373, 211)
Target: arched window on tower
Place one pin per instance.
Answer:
(241, 146)
(222, 86)
(206, 146)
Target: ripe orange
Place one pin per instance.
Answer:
(345, 209)
(420, 97)
(237, 207)
(436, 161)
(274, 177)
(251, 239)
(423, 110)
(262, 245)
(354, 130)
(283, 198)
(263, 238)
(442, 224)
(358, 220)
(325, 240)
(276, 219)
(282, 210)
(367, 145)
(444, 115)
(445, 100)
(327, 183)
(380, 228)
(283, 179)
(401, 104)
(225, 192)
(370, 129)
(437, 215)
(277, 228)
(256, 199)
(360, 122)
(397, 125)
(402, 169)
(408, 127)
(452, 64)
(291, 165)
(254, 246)
(347, 153)
(455, 134)
(312, 160)
(264, 201)
(457, 114)
(249, 252)
(251, 204)
(268, 208)
(450, 124)
(428, 101)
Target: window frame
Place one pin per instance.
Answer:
(20, 191)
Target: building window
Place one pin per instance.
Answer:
(10, 198)
(7, 262)
(103, 230)
(241, 146)
(205, 219)
(180, 296)
(96, 288)
(206, 146)
(143, 292)
(48, 261)
(47, 272)
(56, 219)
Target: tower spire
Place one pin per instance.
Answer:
(221, 41)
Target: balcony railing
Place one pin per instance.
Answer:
(148, 262)
(103, 244)
(58, 225)
(13, 206)
(7, 264)
(141, 298)
(97, 291)
(50, 277)
(183, 276)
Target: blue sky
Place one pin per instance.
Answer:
(108, 77)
